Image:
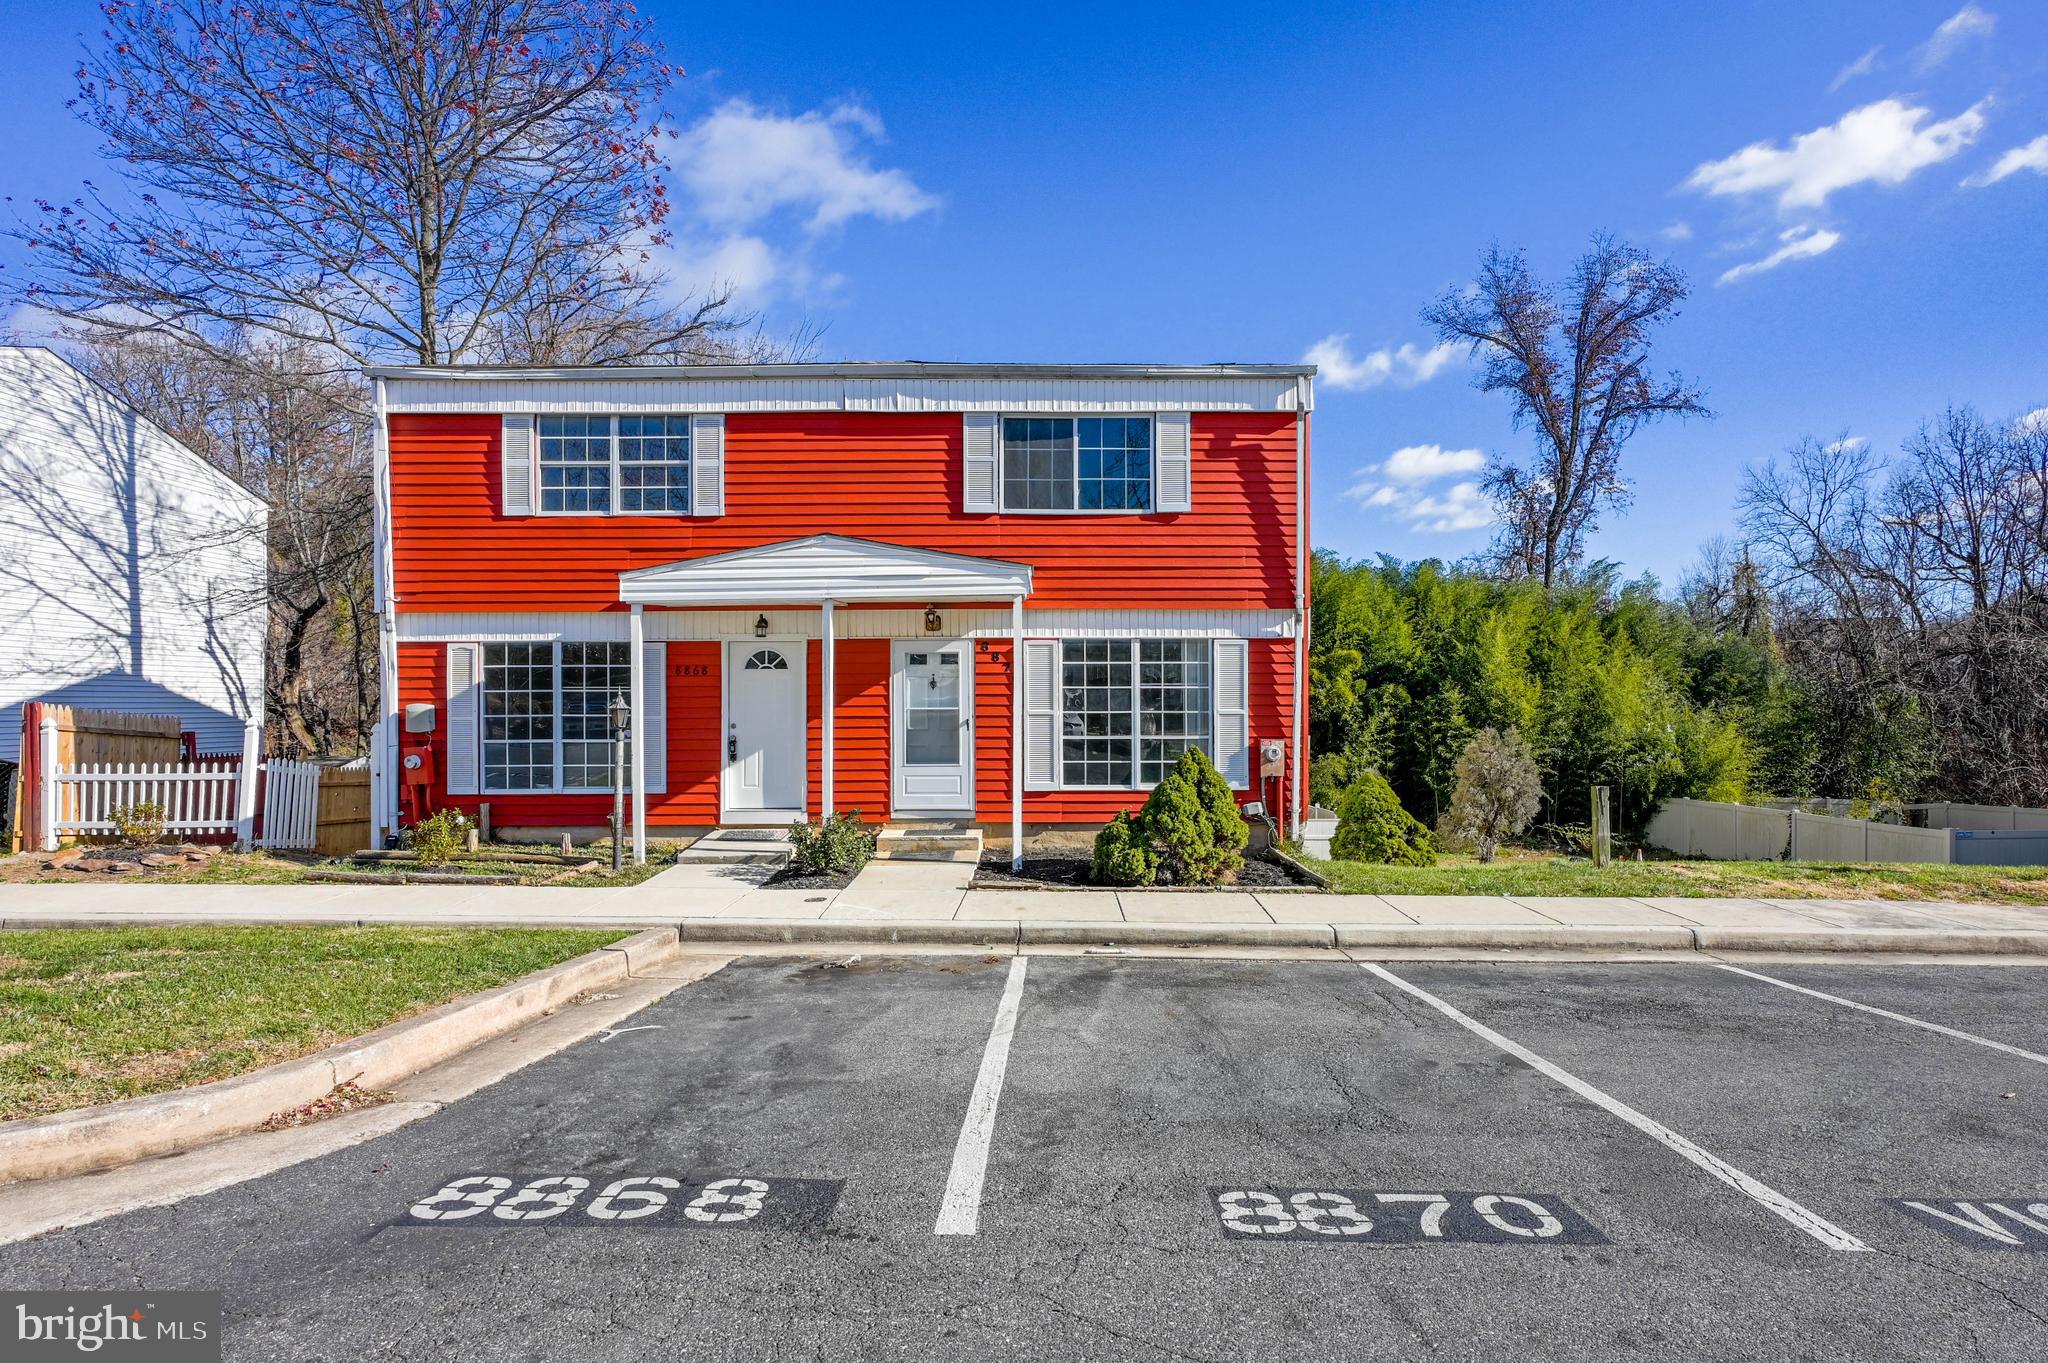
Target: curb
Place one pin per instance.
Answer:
(852, 932)
(1177, 934)
(1522, 936)
(1927, 941)
(94, 1138)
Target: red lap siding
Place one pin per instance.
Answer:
(877, 476)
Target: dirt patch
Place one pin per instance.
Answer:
(346, 1097)
(12, 1048)
(1078, 871)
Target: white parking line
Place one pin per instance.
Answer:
(960, 1213)
(1821, 1229)
(1884, 1013)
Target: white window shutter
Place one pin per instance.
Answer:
(979, 463)
(1041, 714)
(654, 714)
(1173, 478)
(465, 700)
(515, 465)
(707, 465)
(1230, 663)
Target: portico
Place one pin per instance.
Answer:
(763, 700)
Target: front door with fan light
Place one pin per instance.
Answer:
(933, 724)
(764, 731)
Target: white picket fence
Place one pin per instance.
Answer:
(199, 799)
(291, 804)
(1727, 832)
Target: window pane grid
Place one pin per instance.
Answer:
(519, 716)
(1038, 463)
(1115, 463)
(1130, 708)
(654, 463)
(591, 675)
(575, 464)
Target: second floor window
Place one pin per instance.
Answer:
(623, 465)
(1077, 463)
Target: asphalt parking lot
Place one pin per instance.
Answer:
(1069, 1157)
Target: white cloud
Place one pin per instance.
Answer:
(1399, 485)
(1883, 142)
(1848, 444)
(1800, 243)
(1956, 30)
(1677, 231)
(1404, 366)
(2036, 420)
(1862, 66)
(1427, 463)
(743, 164)
(2027, 156)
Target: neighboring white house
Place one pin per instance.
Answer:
(131, 570)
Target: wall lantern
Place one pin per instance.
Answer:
(760, 627)
(932, 623)
(621, 714)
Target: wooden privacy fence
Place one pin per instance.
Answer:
(1727, 832)
(343, 824)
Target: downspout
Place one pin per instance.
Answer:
(1301, 539)
(384, 761)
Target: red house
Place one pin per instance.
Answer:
(1025, 589)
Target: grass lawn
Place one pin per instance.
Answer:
(93, 1015)
(1518, 872)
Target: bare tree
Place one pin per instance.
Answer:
(274, 419)
(377, 180)
(1576, 360)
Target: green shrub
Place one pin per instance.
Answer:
(1372, 826)
(840, 844)
(140, 824)
(438, 839)
(1122, 856)
(1191, 821)
(1326, 778)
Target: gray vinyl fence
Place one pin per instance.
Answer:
(1727, 832)
(1980, 818)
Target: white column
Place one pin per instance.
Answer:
(1017, 734)
(827, 703)
(46, 781)
(245, 788)
(637, 697)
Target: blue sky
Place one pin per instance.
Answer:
(1196, 183)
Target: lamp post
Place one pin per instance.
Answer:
(622, 719)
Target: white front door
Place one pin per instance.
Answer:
(764, 731)
(933, 726)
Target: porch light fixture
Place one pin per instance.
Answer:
(932, 623)
(621, 714)
(760, 627)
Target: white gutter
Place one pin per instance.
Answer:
(869, 369)
(384, 762)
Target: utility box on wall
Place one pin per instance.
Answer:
(1272, 758)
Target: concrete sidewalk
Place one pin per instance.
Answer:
(931, 902)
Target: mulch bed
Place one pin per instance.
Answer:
(1077, 872)
(794, 877)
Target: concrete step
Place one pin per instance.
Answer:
(739, 847)
(929, 840)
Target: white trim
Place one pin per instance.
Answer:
(636, 693)
(1298, 721)
(1017, 735)
(808, 570)
(384, 800)
(703, 626)
(828, 703)
(1112, 389)
(763, 817)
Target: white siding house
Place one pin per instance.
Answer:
(131, 570)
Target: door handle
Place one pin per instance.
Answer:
(732, 749)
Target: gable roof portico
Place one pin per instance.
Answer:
(821, 568)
